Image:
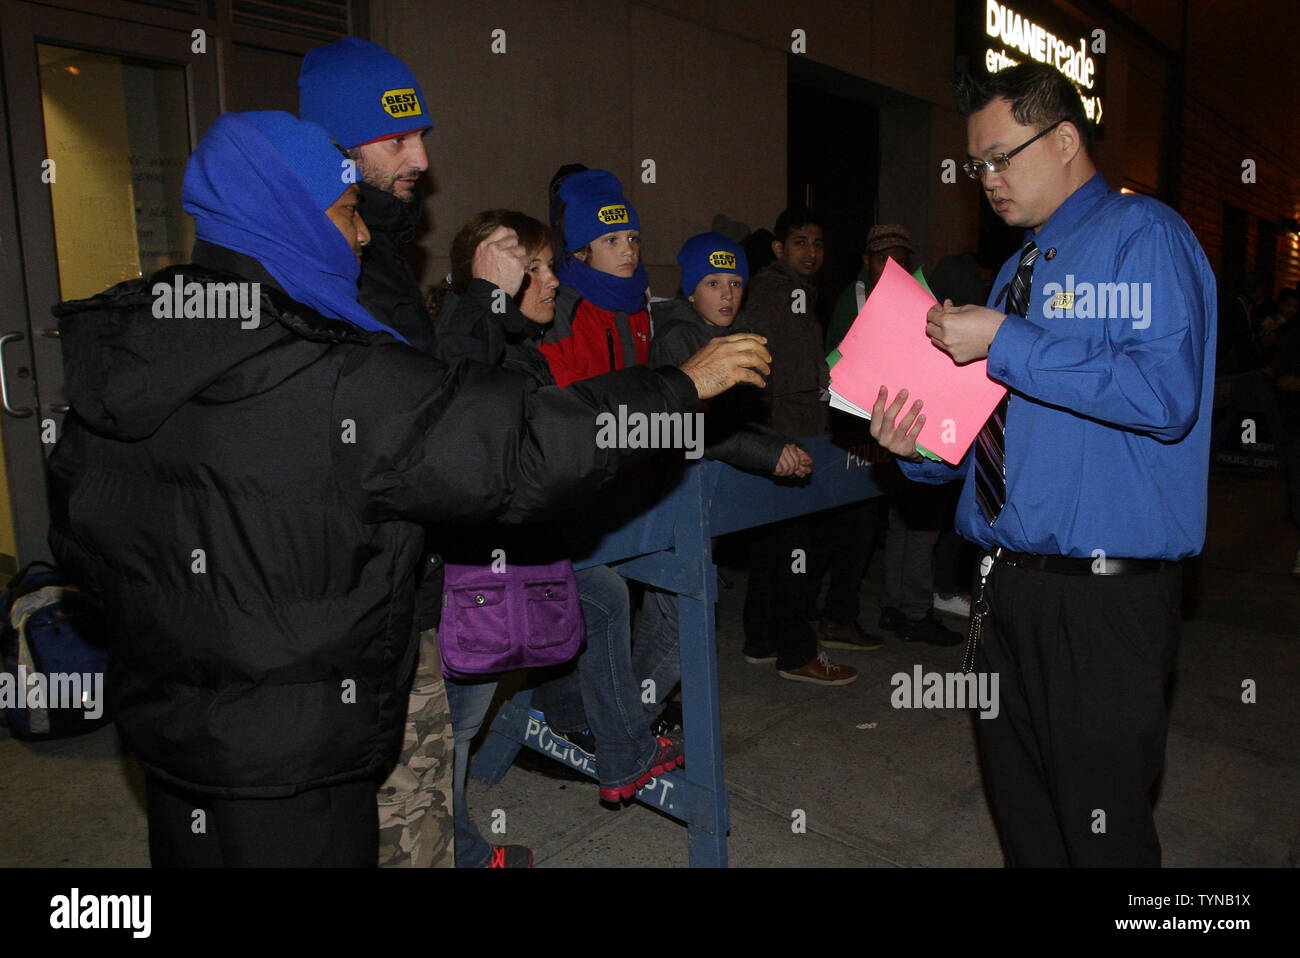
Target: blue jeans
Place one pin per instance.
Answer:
(656, 656)
(607, 683)
(468, 703)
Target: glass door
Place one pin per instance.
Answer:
(102, 114)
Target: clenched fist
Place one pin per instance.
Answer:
(501, 260)
(794, 461)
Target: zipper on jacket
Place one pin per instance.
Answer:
(609, 341)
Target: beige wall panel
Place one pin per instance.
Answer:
(911, 48)
(709, 109)
(875, 39)
(504, 122)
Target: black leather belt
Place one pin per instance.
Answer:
(1070, 565)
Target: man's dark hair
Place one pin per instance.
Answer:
(796, 217)
(1039, 96)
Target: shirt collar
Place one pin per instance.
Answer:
(1076, 206)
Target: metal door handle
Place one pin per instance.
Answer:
(4, 382)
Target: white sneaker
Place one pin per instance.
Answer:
(953, 604)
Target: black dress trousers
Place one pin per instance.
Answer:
(1078, 743)
(336, 826)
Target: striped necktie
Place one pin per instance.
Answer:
(990, 449)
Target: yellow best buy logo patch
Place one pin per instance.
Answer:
(722, 259)
(1063, 301)
(401, 103)
(612, 215)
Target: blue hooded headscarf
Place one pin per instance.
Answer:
(259, 183)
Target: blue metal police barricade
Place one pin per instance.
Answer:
(669, 546)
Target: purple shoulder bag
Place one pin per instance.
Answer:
(525, 616)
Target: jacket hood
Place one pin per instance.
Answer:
(131, 358)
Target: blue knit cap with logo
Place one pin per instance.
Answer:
(594, 205)
(360, 93)
(709, 253)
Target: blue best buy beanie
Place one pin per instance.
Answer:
(594, 205)
(710, 253)
(360, 93)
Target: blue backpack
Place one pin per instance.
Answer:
(53, 656)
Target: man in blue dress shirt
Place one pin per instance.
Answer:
(1087, 486)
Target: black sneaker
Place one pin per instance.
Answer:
(669, 722)
(581, 739)
(932, 632)
(891, 620)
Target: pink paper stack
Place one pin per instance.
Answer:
(887, 346)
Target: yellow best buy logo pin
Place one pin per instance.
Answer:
(1063, 301)
(401, 103)
(612, 215)
(722, 259)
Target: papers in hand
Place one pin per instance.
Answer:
(887, 346)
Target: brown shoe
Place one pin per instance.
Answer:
(832, 635)
(820, 671)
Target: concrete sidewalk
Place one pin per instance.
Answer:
(905, 792)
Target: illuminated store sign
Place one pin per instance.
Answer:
(1010, 37)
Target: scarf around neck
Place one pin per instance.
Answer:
(614, 293)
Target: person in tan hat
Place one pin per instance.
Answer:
(914, 514)
(884, 242)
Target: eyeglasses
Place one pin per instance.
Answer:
(976, 169)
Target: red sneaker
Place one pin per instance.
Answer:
(672, 753)
(510, 856)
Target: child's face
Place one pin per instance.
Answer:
(717, 298)
(803, 250)
(617, 253)
(538, 300)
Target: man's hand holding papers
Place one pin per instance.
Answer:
(898, 437)
(963, 332)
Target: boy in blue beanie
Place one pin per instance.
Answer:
(714, 273)
(601, 320)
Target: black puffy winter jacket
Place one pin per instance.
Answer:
(248, 503)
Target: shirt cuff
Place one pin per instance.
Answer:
(927, 470)
(1011, 348)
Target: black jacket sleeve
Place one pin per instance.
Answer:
(750, 445)
(421, 441)
(733, 432)
(474, 325)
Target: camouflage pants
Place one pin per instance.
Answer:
(415, 817)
